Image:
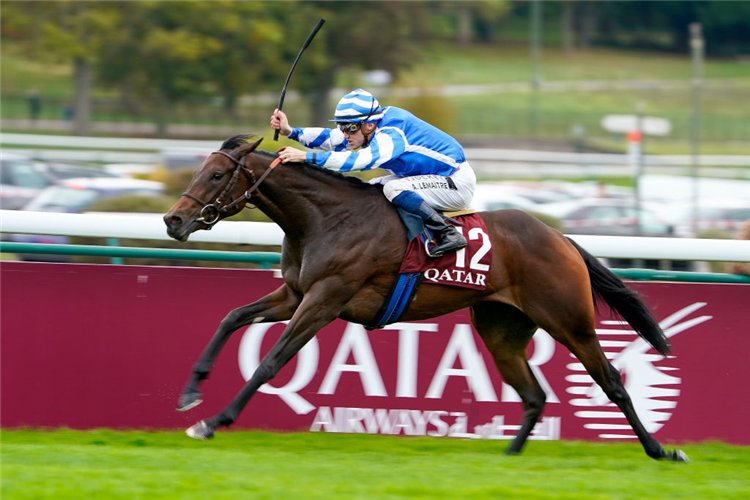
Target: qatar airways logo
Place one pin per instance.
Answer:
(651, 381)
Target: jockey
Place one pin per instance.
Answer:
(428, 167)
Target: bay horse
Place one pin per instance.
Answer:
(341, 254)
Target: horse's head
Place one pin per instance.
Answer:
(217, 190)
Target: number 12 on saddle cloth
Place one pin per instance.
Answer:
(467, 268)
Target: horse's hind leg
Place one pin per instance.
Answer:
(506, 332)
(587, 349)
(276, 306)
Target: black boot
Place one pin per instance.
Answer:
(448, 239)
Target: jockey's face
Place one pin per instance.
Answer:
(357, 139)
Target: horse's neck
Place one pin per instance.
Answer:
(301, 200)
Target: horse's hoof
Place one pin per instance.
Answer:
(677, 456)
(189, 400)
(511, 452)
(200, 431)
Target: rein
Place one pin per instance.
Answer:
(211, 212)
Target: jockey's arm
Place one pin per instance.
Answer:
(385, 145)
(319, 138)
(312, 137)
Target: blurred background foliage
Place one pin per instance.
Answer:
(222, 63)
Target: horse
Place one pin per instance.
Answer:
(342, 248)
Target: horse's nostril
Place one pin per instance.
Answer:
(172, 220)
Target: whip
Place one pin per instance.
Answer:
(304, 46)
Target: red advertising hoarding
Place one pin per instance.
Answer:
(88, 346)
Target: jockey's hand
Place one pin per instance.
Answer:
(280, 122)
(293, 155)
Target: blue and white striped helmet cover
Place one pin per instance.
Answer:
(358, 106)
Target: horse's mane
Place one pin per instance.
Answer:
(238, 140)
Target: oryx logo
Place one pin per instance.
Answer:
(651, 381)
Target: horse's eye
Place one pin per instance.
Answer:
(217, 175)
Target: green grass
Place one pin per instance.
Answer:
(110, 464)
(725, 126)
(451, 64)
(721, 118)
(20, 74)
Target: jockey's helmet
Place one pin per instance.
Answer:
(358, 106)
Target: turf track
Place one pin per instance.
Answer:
(111, 464)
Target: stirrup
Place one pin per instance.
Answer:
(431, 242)
(435, 254)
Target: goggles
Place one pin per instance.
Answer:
(349, 128)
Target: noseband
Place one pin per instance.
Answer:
(211, 212)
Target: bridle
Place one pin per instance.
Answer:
(211, 212)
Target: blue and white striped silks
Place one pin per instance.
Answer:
(402, 144)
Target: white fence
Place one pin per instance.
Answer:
(151, 227)
(134, 226)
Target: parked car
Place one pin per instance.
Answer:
(75, 196)
(20, 181)
(535, 192)
(595, 189)
(488, 196)
(675, 188)
(616, 217)
(724, 214)
(608, 216)
(59, 171)
(130, 169)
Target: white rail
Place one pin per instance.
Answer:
(151, 227)
(135, 226)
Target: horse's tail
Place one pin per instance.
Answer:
(607, 286)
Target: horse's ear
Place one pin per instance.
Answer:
(246, 149)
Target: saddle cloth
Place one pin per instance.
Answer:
(467, 268)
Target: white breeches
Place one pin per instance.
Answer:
(442, 193)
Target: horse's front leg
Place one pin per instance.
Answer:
(315, 311)
(276, 306)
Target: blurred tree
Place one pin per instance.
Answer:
(160, 54)
(361, 35)
(486, 17)
(163, 52)
(73, 30)
(170, 52)
(464, 21)
(726, 25)
(417, 19)
(566, 25)
(590, 13)
(664, 24)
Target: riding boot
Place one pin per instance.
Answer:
(448, 238)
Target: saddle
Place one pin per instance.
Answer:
(467, 268)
